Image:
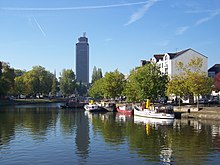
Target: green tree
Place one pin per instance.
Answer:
(110, 86)
(67, 82)
(177, 86)
(144, 82)
(113, 84)
(191, 80)
(54, 87)
(97, 90)
(96, 74)
(19, 72)
(36, 81)
(20, 86)
(81, 89)
(6, 79)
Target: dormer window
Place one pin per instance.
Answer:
(166, 57)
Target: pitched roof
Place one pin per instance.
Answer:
(159, 56)
(174, 55)
(215, 68)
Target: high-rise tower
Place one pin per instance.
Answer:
(82, 59)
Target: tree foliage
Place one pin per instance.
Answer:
(97, 90)
(144, 82)
(110, 86)
(36, 81)
(113, 84)
(177, 86)
(6, 79)
(96, 74)
(67, 82)
(192, 80)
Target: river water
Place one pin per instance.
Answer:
(46, 134)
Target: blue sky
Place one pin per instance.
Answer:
(120, 32)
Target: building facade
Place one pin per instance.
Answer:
(168, 61)
(214, 70)
(82, 60)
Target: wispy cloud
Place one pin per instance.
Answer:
(39, 27)
(76, 8)
(108, 39)
(163, 43)
(208, 18)
(211, 15)
(141, 12)
(181, 30)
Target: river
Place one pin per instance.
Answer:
(45, 134)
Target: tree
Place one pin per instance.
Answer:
(96, 74)
(6, 79)
(97, 90)
(199, 84)
(110, 86)
(81, 89)
(113, 84)
(36, 81)
(67, 82)
(177, 86)
(54, 88)
(192, 80)
(20, 86)
(146, 81)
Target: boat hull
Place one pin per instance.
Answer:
(152, 114)
(93, 108)
(125, 111)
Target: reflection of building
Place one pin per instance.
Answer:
(82, 60)
(82, 137)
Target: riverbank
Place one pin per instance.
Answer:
(5, 102)
(208, 113)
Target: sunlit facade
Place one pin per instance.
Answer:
(82, 60)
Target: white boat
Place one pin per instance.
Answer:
(152, 121)
(93, 108)
(159, 113)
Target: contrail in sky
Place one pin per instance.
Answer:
(38, 25)
(141, 12)
(74, 8)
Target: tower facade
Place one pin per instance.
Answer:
(82, 59)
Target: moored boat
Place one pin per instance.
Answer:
(152, 121)
(126, 109)
(157, 112)
(109, 106)
(73, 104)
(92, 107)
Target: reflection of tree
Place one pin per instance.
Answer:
(36, 120)
(181, 142)
(7, 127)
(112, 132)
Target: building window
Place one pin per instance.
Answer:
(166, 57)
(166, 70)
(211, 74)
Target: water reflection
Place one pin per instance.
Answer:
(53, 136)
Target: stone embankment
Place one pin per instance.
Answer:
(210, 113)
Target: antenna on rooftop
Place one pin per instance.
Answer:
(84, 34)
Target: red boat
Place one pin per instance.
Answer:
(126, 109)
